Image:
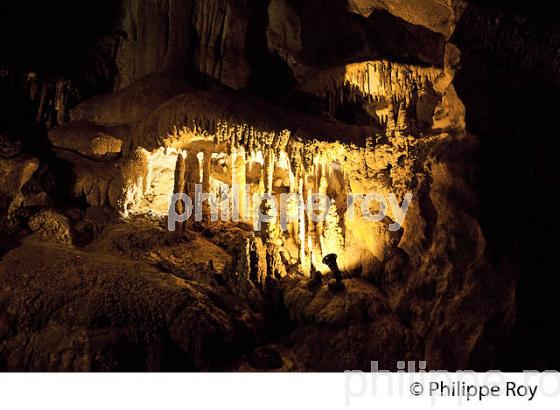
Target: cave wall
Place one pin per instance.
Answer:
(210, 36)
(219, 37)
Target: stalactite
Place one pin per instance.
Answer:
(269, 161)
(262, 187)
(205, 169)
(239, 178)
(369, 155)
(308, 190)
(370, 81)
(301, 226)
(312, 256)
(252, 265)
(322, 190)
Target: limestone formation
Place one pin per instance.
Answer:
(439, 16)
(93, 141)
(216, 46)
(15, 173)
(132, 104)
(50, 226)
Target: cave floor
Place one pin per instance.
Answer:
(127, 295)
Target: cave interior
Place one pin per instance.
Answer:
(108, 108)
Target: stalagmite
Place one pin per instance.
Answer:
(402, 120)
(194, 172)
(60, 98)
(206, 185)
(301, 225)
(43, 103)
(391, 123)
(33, 85)
(179, 188)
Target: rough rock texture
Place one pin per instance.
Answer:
(93, 141)
(84, 310)
(15, 173)
(221, 28)
(131, 104)
(50, 226)
(339, 37)
(147, 36)
(157, 36)
(157, 247)
(437, 15)
(90, 179)
(207, 111)
(451, 308)
(348, 330)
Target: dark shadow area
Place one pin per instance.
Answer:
(512, 109)
(61, 38)
(270, 76)
(51, 34)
